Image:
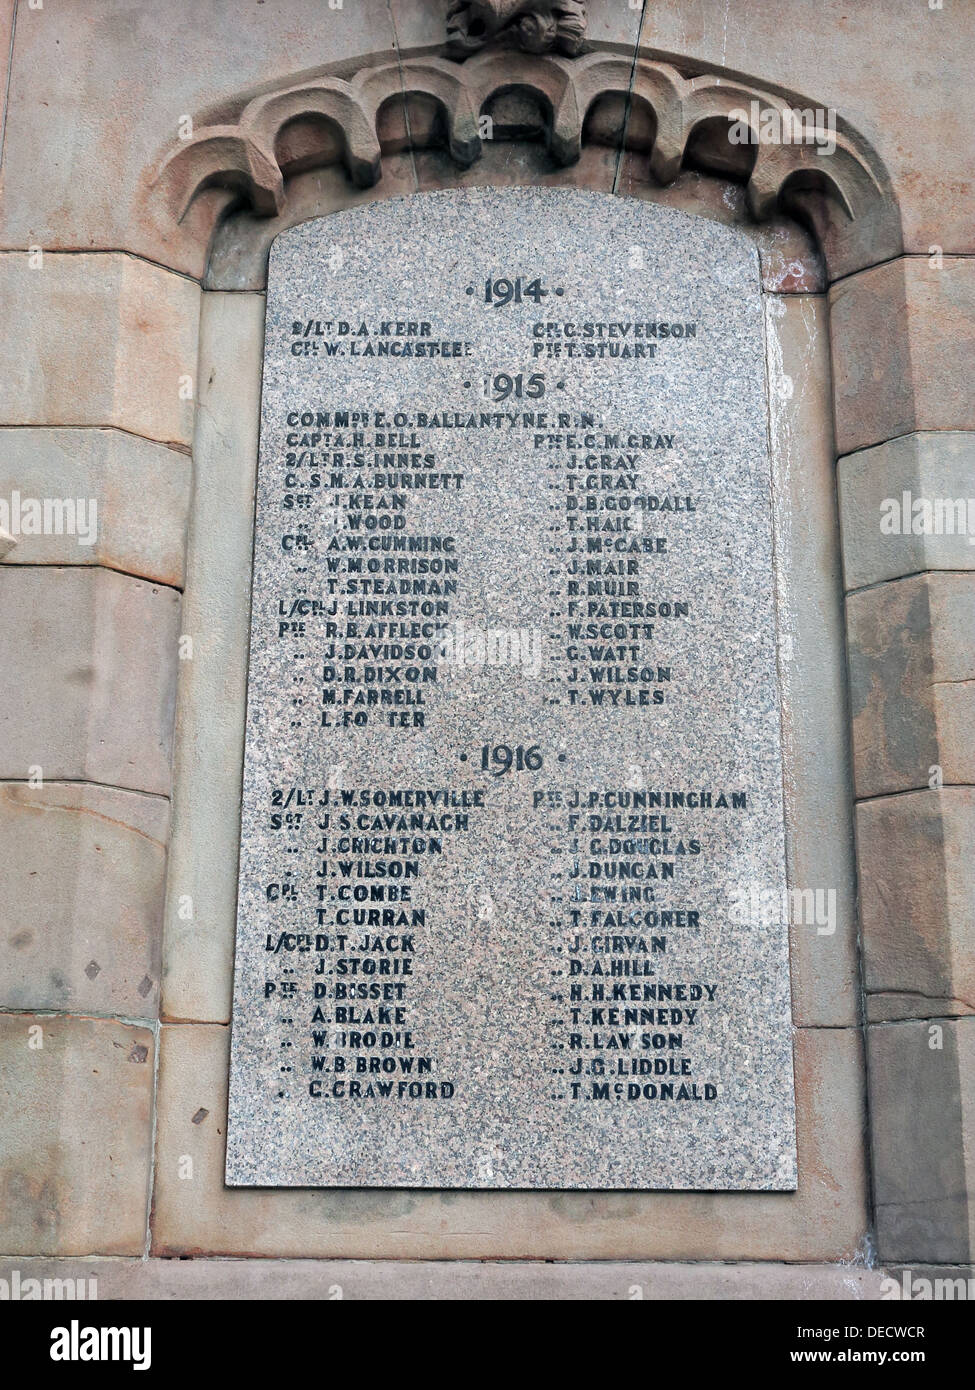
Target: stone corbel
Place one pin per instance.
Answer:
(536, 26)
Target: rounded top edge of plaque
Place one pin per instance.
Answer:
(443, 214)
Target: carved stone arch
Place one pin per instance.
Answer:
(843, 198)
(608, 84)
(264, 120)
(389, 84)
(550, 82)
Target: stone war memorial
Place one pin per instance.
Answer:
(487, 653)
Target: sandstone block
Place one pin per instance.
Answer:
(922, 1112)
(75, 1144)
(99, 339)
(915, 855)
(82, 872)
(903, 334)
(87, 683)
(912, 682)
(115, 500)
(905, 507)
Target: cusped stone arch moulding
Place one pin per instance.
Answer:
(658, 108)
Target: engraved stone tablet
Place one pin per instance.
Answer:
(512, 852)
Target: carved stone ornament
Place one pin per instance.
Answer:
(843, 199)
(536, 26)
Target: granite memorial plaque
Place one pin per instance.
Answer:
(512, 807)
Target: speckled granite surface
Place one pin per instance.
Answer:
(512, 855)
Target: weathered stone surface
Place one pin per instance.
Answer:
(912, 682)
(515, 154)
(75, 1146)
(922, 1119)
(809, 607)
(7, 10)
(825, 1220)
(420, 102)
(915, 855)
(98, 340)
(140, 491)
(202, 891)
(81, 874)
(903, 335)
(88, 679)
(512, 1112)
(937, 472)
(158, 66)
(446, 1280)
(790, 260)
(861, 77)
